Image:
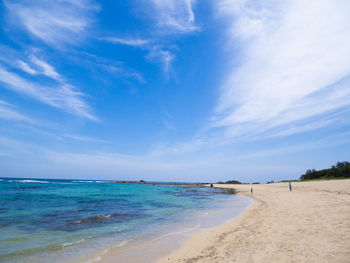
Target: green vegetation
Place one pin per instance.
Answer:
(230, 182)
(338, 171)
(287, 181)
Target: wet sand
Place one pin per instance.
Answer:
(168, 237)
(309, 224)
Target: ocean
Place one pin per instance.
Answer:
(45, 220)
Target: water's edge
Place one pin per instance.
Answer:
(171, 239)
(56, 220)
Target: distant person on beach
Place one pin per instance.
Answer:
(251, 190)
(290, 186)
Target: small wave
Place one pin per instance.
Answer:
(73, 243)
(83, 181)
(123, 243)
(30, 181)
(88, 181)
(93, 260)
(98, 258)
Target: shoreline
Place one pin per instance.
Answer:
(171, 236)
(309, 224)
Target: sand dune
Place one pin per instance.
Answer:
(309, 224)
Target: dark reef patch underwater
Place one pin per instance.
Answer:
(40, 218)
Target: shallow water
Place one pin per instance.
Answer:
(60, 220)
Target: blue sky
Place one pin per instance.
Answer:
(173, 90)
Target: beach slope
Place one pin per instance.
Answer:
(311, 223)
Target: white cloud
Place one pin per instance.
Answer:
(54, 22)
(165, 57)
(83, 138)
(36, 66)
(293, 77)
(175, 15)
(7, 112)
(135, 42)
(58, 93)
(294, 66)
(26, 68)
(62, 95)
(46, 68)
(123, 72)
(155, 52)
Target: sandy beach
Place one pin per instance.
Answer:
(311, 223)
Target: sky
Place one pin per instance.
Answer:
(173, 90)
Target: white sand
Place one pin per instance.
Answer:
(309, 224)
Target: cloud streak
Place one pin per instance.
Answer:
(26, 68)
(155, 52)
(175, 16)
(45, 68)
(294, 65)
(32, 75)
(172, 17)
(134, 42)
(54, 22)
(7, 112)
(63, 95)
(288, 74)
(163, 56)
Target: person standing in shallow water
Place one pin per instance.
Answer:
(290, 186)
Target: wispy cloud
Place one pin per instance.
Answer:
(35, 66)
(33, 75)
(171, 17)
(54, 22)
(124, 72)
(175, 16)
(115, 68)
(84, 138)
(7, 112)
(288, 74)
(156, 52)
(135, 42)
(46, 68)
(26, 68)
(62, 95)
(294, 65)
(163, 56)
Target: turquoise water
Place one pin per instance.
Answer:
(57, 220)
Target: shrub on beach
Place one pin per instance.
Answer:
(230, 182)
(340, 170)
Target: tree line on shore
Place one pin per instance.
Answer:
(339, 170)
